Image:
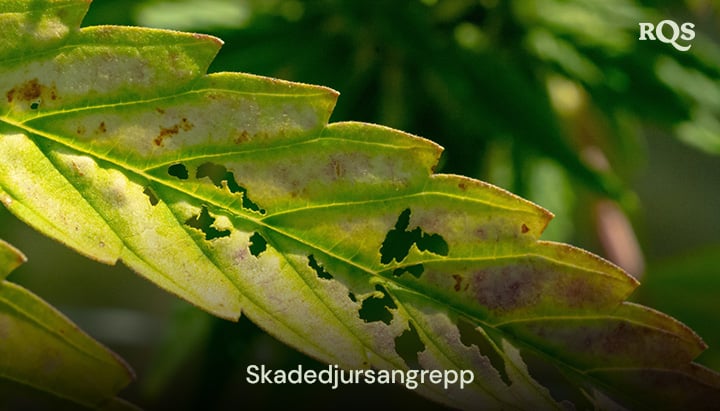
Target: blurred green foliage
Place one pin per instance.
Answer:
(694, 293)
(554, 100)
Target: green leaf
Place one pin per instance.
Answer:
(42, 352)
(10, 259)
(233, 192)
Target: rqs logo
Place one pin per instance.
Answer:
(685, 32)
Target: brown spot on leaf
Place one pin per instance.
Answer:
(462, 186)
(167, 132)
(159, 110)
(458, 281)
(76, 169)
(242, 137)
(31, 91)
(99, 130)
(336, 168)
(80, 130)
(524, 229)
(186, 125)
(164, 132)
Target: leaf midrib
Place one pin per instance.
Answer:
(187, 92)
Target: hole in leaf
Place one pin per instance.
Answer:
(416, 270)
(258, 244)
(376, 308)
(204, 222)
(398, 241)
(432, 242)
(218, 174)
(178, 170)
(34, 105)
(151, 196)
(352, 297)
(320, 271)
(470, 336)
(408, 345)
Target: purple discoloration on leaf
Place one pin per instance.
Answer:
(505, 289)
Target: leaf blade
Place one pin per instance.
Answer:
(233, 192)
(44, 350)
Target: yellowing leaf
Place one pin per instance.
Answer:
(42, 350)
(10, 259)
(233, 192)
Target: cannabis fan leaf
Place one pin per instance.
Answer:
(233, 192)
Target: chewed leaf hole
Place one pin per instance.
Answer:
(470, 336)
(432, 242)
(258, 244)
(398, 241)
(152, 197)
(408, 345)
(179, 171)
(416, 270)
(219, 174)
(377, 308)
(320, 271)
(204, 222)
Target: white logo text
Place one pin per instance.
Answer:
(650, 31)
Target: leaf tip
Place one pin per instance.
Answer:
(210, 39)
(10, 258)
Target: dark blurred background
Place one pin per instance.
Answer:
(557, 101)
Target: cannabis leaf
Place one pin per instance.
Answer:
(233, 192)
(41, 351)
